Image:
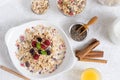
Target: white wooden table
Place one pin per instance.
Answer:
(16, 12)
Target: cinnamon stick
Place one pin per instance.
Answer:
(94, 55)
(13, 72)
(93, 60)
(91, 54)
(89, 48)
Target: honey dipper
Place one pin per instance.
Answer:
(92, 21)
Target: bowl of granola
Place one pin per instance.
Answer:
(71, 7)
(39, 6)
(39, 50)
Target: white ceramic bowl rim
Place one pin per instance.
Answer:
(13, 34)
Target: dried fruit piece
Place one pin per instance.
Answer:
(27, 64)
(59, 1)
(22, 38)
(32, 51)
(22, 64)
(72, 0)
(71, 13)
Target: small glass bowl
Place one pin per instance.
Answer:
(36, 8)
(69, 10)
(109, 2)
(84, 35)
(90, 71)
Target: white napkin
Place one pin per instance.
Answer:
(110, 2)
(2, 2)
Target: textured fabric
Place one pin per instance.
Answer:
(17, 12)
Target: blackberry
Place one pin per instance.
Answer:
(32, 51)
(48, 52)
(39, 51)
(39, 39)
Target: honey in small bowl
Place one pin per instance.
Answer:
(90, 74)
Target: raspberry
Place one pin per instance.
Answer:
(47, 42)
(36, 56)
(43, 46)
(34, 43)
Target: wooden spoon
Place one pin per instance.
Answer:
(92, 21)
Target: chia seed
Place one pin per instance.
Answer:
(75, 33)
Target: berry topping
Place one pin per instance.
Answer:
(39, 51)
(27, 64)
(39, 39)
(22, 38)
(43, 46)
(60, 2)
(44, 52)
(36, 56)
(32, 51)
(72, 0)
(48, 52)
(34, 43)
(38, 45)
(47, 42)
(71, 13)
(22, 64)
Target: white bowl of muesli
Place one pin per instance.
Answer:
(39, 50)
(71, 7)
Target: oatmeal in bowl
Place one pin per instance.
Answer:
(71, 7)
(39, 50)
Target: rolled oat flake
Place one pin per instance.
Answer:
(39, 6)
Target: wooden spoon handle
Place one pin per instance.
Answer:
(13, 72)
(92, 21)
